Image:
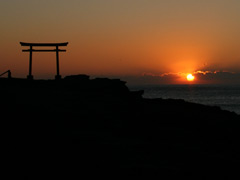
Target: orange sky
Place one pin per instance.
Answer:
(122, 37)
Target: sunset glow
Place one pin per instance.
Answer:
(124, 38)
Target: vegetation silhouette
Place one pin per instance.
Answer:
(80, 126)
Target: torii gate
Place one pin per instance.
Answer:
(30, 50)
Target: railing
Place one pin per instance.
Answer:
(7, 72)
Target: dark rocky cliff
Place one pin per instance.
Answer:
(99, 126)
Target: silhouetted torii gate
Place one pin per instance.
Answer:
(30, 50)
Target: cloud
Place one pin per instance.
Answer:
(217, 77)
(201, 77)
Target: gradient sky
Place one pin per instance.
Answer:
(157, 38)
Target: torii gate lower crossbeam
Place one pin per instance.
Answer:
(31, 50)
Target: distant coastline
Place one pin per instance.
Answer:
(225, 96)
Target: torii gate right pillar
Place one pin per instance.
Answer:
(58, 76)
(30, 76)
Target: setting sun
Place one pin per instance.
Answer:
(190, 77)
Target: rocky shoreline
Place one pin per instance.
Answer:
(100, 126)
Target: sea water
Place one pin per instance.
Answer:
(225, 96)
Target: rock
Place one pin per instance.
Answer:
(100, 126)
(80, 77)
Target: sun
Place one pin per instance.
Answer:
(190, 77)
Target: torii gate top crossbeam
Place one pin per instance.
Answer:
(44, 44)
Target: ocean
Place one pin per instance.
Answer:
(225, 96)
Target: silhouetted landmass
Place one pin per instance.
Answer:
(77, 127)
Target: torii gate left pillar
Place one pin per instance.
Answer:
(31, 50)
(30, 76)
